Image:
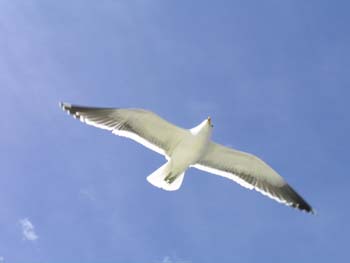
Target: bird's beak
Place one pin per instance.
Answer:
(209, 121)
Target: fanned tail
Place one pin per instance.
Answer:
(164, 179)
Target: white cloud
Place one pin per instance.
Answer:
(28, 230)
(87, 193)
(168, 259)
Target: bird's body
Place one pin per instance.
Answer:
(192, 147)
(189, 148)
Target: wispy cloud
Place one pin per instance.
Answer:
(28, 230)
(87, 193)
(2, 259)
(168, 259)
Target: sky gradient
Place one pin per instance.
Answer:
(274, 77)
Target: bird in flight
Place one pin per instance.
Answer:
(185, 148)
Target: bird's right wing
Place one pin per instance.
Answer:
(250, 172)
(142, 126)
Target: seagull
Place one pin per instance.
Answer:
(185, 148)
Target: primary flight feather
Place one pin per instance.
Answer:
(189, 148)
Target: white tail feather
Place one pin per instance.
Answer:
(157, 178)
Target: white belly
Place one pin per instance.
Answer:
(188, 152)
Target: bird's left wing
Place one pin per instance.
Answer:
(140, 125)
(250, 172)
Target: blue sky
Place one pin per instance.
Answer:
(274, 77)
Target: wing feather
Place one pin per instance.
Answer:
(252, 173)
(142, 126)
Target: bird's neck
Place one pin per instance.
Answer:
(202, 129)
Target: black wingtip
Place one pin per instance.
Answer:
(302, 205)
(64, 106)
(312, 211)
(308, 210)
(297, 201)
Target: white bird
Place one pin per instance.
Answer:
(189, 148)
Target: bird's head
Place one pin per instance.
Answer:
(205, 127)
(209, 122)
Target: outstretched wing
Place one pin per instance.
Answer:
(142, 126)
(252, 173)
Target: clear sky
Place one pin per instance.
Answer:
(274, 77)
